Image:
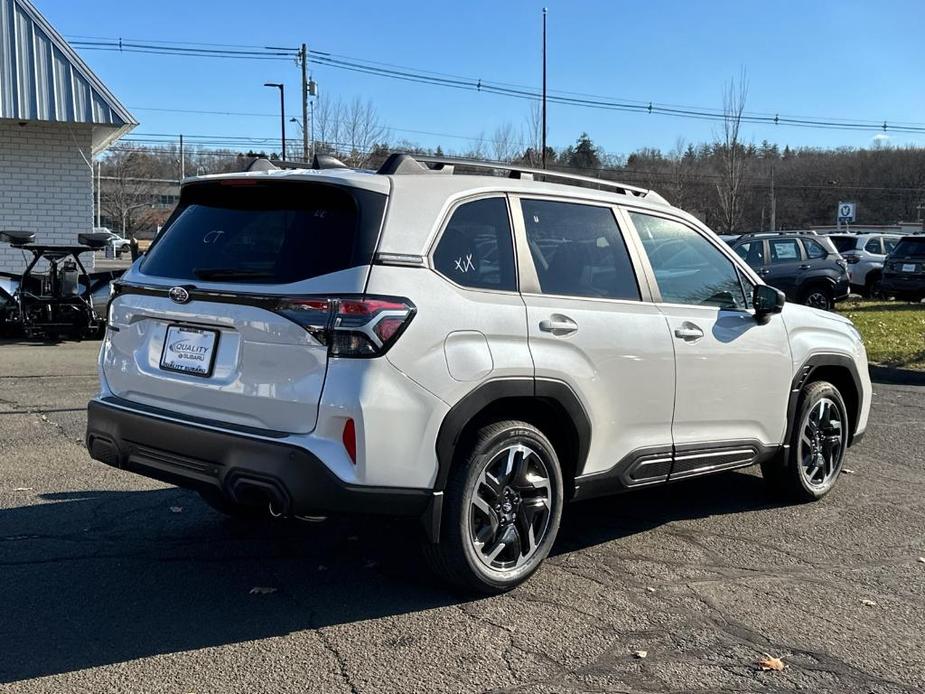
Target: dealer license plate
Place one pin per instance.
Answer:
(189, 350)
(908, 267)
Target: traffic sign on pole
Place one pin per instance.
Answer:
(846, 212)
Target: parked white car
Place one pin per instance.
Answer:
(865, 254)
(119, 244)
(472, 350)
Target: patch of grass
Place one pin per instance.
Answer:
(893, 331)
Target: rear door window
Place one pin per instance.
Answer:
(578, 250)
(266, 232)
(873, 246)
(476, 249)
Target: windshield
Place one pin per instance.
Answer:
(910, 248)
(266, 232)
(844, 243)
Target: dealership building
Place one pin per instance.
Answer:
(55, 116)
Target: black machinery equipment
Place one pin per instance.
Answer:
(54, 296)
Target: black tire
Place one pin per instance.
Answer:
(229, 508)
(787, 473)
(458, 558)
(872, 286)
(818, 296)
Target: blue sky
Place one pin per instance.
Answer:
(821, 58)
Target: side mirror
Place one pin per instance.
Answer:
(767, 300)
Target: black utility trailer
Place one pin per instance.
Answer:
(58, 297)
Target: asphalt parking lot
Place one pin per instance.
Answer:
(109, 582)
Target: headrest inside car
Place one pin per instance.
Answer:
(93, 239)
(17, 238)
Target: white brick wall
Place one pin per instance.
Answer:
(45, 185)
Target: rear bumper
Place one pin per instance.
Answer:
(243, 468)
(842, 288)
(910, 282)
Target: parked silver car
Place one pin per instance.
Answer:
(865, 254)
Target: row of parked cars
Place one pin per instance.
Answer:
(819, 270)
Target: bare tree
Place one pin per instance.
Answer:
(328, 116)
(505, 143)
(731, 155)
(534, 153)
(131, 186)
(362, 129)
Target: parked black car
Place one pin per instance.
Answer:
(806, 267)
(904, 270)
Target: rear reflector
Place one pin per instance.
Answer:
(350, 440)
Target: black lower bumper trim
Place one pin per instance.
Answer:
(244, 469)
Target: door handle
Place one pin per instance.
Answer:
(805, 267)
(763, 271)
(558, 325)
(689, 332)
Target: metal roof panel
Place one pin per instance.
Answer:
(43, 79)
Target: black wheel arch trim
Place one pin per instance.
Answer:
(462, 413)
(804, 376)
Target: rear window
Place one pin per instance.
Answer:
(844, 243)
(910, 248)
(267, 232)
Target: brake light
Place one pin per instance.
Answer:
(350, 327)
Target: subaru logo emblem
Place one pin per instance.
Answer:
(178, 294)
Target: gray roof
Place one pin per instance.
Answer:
(43, 79)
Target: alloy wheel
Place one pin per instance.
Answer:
(510, 508)
(822, 444)
(818, 299)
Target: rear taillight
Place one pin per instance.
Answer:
(852, 259)
(350, 327)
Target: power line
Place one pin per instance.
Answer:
(384, 70)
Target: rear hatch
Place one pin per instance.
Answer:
(908, 257)
(222, 320)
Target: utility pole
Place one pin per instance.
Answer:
(304, 61)
(182, 160)
(282, 116)
(544, 88)
(773, 203)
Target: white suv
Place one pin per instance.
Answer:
(865, 254)
(472, 350)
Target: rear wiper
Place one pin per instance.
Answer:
(229, 273)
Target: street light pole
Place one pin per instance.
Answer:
(304, 61)
(282, 116)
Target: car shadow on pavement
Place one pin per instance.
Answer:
(103, 577)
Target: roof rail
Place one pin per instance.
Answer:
(794, 232)
(399, 163)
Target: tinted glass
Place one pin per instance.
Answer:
(873, 246)
(889, 244)
(784, 250)
(578, 250)
(751, 252)
(844, 243)
(910, 248)
(475, 249)
(814, 250)
(688, 268)
(268, 233)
